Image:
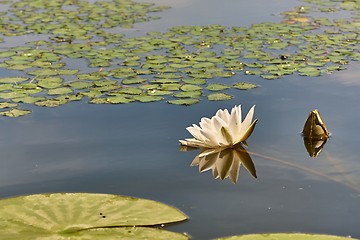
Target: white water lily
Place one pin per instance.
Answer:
(222, 130)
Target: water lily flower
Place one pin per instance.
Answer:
(222, 130)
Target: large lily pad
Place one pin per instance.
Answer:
(76, 214)
(124, 233)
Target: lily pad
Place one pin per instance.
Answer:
(147, 98)
(118, 99)
(13, 79)
(60, 91)
(284, 236)
(219, 97)
(84, 215)
(15, 112)
(185, 101)
(7, 105)
(244, 85)
(217, 87)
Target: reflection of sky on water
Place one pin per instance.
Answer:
(133, 150)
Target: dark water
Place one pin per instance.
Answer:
(133, 149)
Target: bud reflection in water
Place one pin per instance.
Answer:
(224, 162)
(315, 133)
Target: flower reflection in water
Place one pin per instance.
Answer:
(224, 162)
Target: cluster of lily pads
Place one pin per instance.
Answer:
(175, 65)
(60, 216)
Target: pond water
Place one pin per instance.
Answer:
(133, 149)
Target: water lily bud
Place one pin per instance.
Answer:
(315, 127)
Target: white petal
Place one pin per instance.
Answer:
(196, 132)
(192, 142)
(205, 125)
(248, 119)
(213, 139)
(244, 132)
(223, 114)
(218, 125)
(234, 123)
(248, 132)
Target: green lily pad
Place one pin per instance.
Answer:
(85, 216)
(284, 236)
(195, 81)
(219, 97)
(124, 233)
(135, 80)
(51, 103)
(13, 94)
(15, 113)
(170, 86)
(13, 79)
(130, 90)
(147, 98)
(216, 87)
(185, 101)
(244, 85)
(7, 105)
(310, 71)
(60, 91)
(118, 99)
(28, 99)
(190, 88)
(80, 84)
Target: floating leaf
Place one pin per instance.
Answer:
(185, 101)
(147, 98)
(216, 87)
(7, 105)
(84, 215)
(118, 99)
(50, 103)
(219, 96)
(310, 71)
(60, 91)
(188, 94)
(15, 113)
(133, 80)
(190, 88)
(244, 85)
(13, 79)
(130, 90)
